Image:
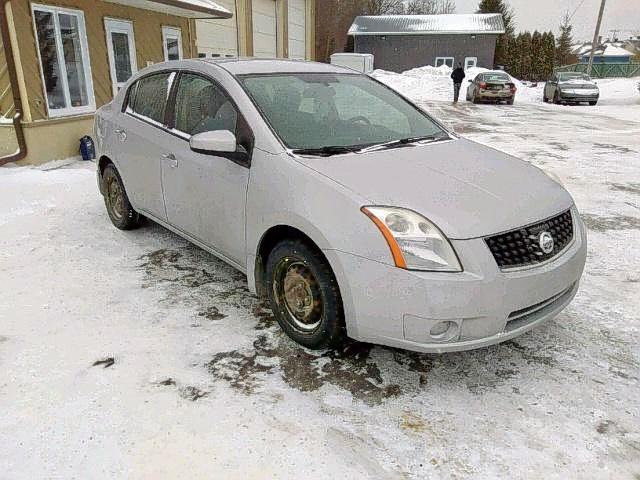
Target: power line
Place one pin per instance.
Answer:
(575, 10)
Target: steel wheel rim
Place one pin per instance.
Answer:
(297, 292)
(115, 196)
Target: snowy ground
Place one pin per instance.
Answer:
(204, 385)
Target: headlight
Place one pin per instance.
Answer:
(415, 242)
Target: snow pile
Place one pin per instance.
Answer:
(434, 83)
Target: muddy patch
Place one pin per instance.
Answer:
(626, 187)
(192, 393)
(611, 147)
(212, 313)
(601, 223)
(193, 277)
(350, 368)
(104, 363)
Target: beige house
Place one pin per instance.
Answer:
(60, 60)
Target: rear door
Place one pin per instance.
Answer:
(140, 137)
(205, 195)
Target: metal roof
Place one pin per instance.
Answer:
(476, 23)
(180, 8)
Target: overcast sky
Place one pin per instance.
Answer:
(623, 15)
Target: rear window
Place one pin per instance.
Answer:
(148, 97)
(496, 77)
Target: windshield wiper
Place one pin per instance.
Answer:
(405, 141)
(328, 150)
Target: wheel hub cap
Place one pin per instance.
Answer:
(297, 290)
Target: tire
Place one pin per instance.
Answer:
(593, 104)
(311, 314)
(544, 98)
(475, 100)
(556, 98)
(510, 101)
(120, 211)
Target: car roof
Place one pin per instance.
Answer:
(244, 66)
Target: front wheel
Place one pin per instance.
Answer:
(593, 104)
(304, 295)
(120, 211)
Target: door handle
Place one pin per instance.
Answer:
(171, 159)
(121, 133)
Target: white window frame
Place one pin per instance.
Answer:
(444, 61)
(475, 62)
(173, 33)
(116, 25)
(84, 51)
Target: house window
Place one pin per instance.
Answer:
(122, 51)
(172, 43)
(448, 61)
(64, 60)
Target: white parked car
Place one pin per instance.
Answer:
(356, 212)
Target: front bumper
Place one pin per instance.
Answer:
(483, 305)
(578, 96)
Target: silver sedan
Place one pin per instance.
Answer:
(355, 212)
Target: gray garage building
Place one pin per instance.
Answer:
(402, 42)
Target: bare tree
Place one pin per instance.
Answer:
(383, 7)
(429, 7)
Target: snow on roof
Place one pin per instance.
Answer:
(180, 8)
(427, 24)
(604, 50)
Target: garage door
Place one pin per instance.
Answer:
(218, 38)
(297, 29)
(264, 28)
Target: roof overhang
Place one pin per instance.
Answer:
(180, 8)
(448, 32)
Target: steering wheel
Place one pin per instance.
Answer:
(360, 118)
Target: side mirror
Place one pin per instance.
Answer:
(216, 141)
(221, 143)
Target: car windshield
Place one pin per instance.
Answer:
(567, 76)
(495, 77)
(336, 111)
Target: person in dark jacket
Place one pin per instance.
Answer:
(457, 76)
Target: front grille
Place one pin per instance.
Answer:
(520, 247)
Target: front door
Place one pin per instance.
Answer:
(139, 137)
(470, 62)
(121, 48)
(205, 195)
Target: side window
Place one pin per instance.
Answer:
(149, 96)
(201, 106)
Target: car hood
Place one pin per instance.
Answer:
(467, 189)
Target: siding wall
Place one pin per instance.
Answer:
(398, 53)
(148, 38)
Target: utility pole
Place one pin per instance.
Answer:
(594, 44)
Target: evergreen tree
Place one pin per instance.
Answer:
(500, 6)
(565, 40)
(549, 42)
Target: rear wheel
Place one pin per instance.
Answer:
(510, 101)
(120, 211)
(304, 295)
(593, 104)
